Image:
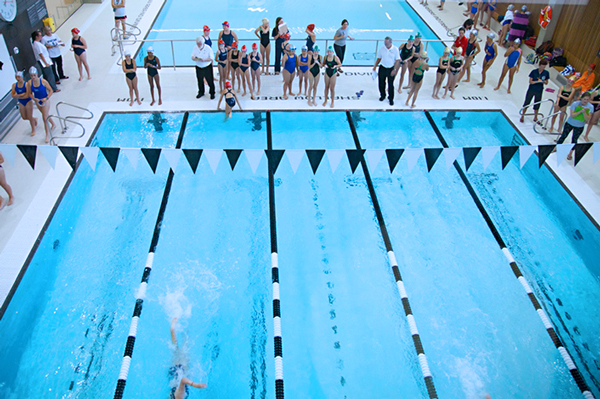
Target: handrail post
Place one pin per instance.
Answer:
(376, 49)
(173, 54)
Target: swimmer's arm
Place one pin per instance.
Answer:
(478, 49)
(237, 101)
(218, 107)
(256, 31)
(1, 158)
(157, 63)
(495, 52)
(48, 89)
(84, 43)
(29, 92)
(14, 94)
(174, 321)
(235, 39)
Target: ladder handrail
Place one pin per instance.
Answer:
(64, 120)
(558, 131)
(538, 102)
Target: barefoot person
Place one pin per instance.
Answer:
(332, 63)
(456, 64)
(118, 7)
(441, 72)
(234, 65)
(417, 80)
(245, 71)
(179, 382)
(315, 63)
(595, 102)
(388, 59)
(303, 71)
(407, 51)
(538, 78)
(230, 100)
(39, 91)
(512, 64)
(311, 38)
(563, 98)
(290, 64)
(5, 186)
(255, 59)
(472, 50)
(19, 91)
(152, 65)
(129, 68)
(491, 52)
(222, 64)
(418, 45)
(265, 45)
(79, 45)
(581, 113)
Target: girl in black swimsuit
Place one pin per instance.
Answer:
(411, 65)
(265, 45)
(230, 100)
(234, 63)
(565, 95)
(472, 50)
(129, 68)
(407, 50)
(441, 72)
(152, 65)
(417, 80)
(79, 45)
(455, 66)
(244, 71)
(332, 63)
(255, 59)
(222, 63)
(315, 62)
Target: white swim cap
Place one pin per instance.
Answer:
(511, 7)
(424, 54)
(33, 70)
(475, 32)
(127, 53)
(524, 8)
(517, 40)
(19, 73)
(492, 35)
(150, 49)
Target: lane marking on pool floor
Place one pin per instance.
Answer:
(422, 358)
(277, 339)
(141, 293)
(579, 380)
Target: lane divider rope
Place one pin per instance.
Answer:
(579, 380)
(428, 377)
(141, 293)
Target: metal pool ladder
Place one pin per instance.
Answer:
(64, 122)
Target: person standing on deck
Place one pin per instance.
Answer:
(340, 37)
(388, 59)
(537, 79)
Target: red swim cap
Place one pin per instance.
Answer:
(221, 42)
(311, 27)
(75, 30)
(244, 48)
(206, 28)
(228, 84)
(226, 23)
(234, 45)
(254, 46)
(287, 36)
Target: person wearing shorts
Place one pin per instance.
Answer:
(120, 15)
(537, 79)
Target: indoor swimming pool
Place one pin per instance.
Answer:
(344, 330)
(183, 20)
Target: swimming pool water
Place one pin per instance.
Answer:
(343, 328)
(182, 19)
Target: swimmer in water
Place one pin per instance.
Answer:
(178, 369)
(230, 100)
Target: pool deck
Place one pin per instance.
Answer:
(36, 191)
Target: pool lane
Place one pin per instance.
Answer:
(64, 326)
(343, 326)
(553, 241)
(212, 271)
(479, 331)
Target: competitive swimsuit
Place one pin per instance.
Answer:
(470, 48)
(290, 64)
(315, 69)
(222, 58)
(22, 90)
(207, 41)
(444, 63)
(254, 64)
(129, 75)
(39, 92)
(417, 51)
(264, 38)
(562, 102)
(405, 53)
(512, 58)
(244, 61)
(234, 56)
(229, 100)
(77, 50)
(309, 43)
(474, 7)
(330, 67)
(175, 374)
(304, 68)
(418, 77)
(490, 52)
(455, 64)
(227, 38)
(152, 71)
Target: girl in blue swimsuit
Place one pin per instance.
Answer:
(245, 71)
(255, 60)
(303, 71)
(512, 64)
(230, 100)
(491, 52)
(39, 91)
(19, 91)
(222, 64)
(290, 63)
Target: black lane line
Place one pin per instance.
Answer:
(278, 342)
(581, 384)
(137, 311)
(392, 257)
